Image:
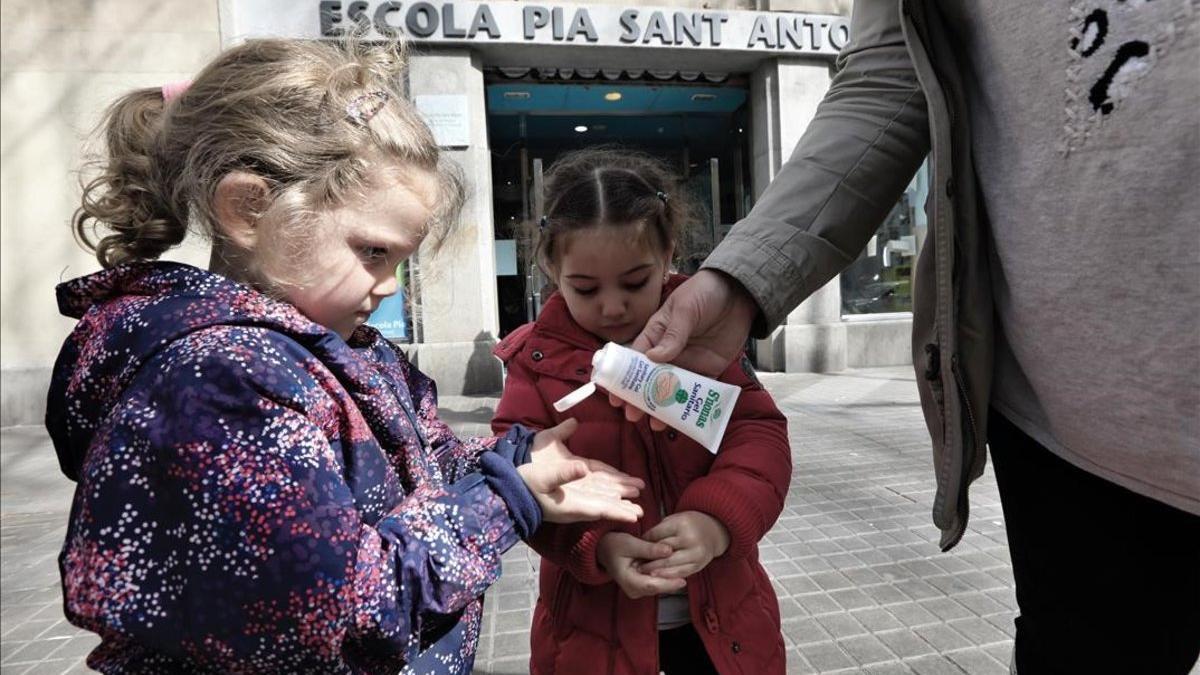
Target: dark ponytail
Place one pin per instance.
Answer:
(609, 185)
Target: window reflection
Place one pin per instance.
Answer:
(880, 280)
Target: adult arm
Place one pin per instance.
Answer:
(867, 139)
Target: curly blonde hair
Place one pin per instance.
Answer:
(273, 108)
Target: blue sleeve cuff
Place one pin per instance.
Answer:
(499, 469)
(504, 480)
(516, 445)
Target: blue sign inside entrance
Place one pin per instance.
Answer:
(391, 317)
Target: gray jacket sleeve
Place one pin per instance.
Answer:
(867, 139)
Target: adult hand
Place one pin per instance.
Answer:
(620, 554)
(696, 538)
(569, 491)
(702, 327)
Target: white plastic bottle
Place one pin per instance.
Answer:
(695, 405)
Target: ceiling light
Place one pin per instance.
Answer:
(581, 128)
(612, 96)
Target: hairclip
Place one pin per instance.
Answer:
(363, 107)
(172, 90)
(543, 223)
(662, 195)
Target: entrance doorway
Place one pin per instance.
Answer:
(699, 128)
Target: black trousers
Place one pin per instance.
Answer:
(1108, 581)
(681, 652)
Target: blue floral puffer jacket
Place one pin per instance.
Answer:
(256, 494)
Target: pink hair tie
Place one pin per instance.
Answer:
(174, 89)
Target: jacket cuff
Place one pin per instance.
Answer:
(727, 504)
(581, 559)
(516, 445)
(777, 281)
(503, 479)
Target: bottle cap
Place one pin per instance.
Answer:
(607, 365)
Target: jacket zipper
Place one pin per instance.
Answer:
(412, 419)
(970, 447)
(616, 639)
(924, 37)
(560, 596)
(948, 98)
(666, 476)
(968, 450)
(407, 406)
(933, 373)
(962, 391)
(942, 313)
(711, 620)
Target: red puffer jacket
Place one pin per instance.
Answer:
(583, 623)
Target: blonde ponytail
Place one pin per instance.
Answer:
(124, 197)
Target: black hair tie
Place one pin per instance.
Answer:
(663, 196)
(542, 223)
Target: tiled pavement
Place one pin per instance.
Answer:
(861, 584)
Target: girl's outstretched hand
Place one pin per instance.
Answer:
(551, 445)
(696, 538)
(620, 554)
(570, 489)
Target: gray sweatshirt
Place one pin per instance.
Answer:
(1086, 138)
(1059, 282)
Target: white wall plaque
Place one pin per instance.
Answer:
(448, 117)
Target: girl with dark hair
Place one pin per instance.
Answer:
(682, 591)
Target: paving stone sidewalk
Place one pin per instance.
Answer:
(861, 584)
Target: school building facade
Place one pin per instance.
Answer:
(720, 89)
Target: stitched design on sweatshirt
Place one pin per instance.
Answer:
(1113, 46)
